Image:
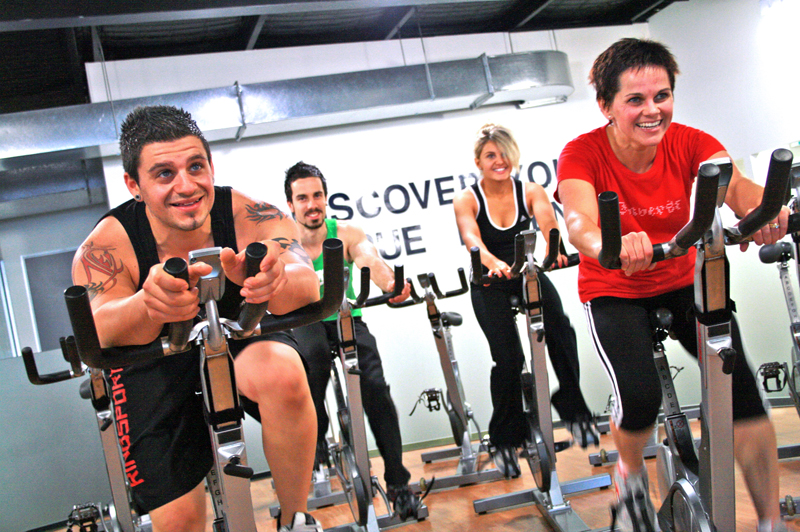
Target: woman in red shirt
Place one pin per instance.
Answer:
(650, 163)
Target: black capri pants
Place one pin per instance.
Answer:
(622, 338)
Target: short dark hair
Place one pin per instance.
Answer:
(626, 54)
(302, 170)
(157, 123)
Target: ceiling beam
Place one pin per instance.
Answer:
(256, 32)
(51, 14)
(410, 13)
(649, 10)
(532, 9)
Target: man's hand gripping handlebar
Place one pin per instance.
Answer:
(252, 321)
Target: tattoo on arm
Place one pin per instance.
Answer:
(263, 212)
(293, 246)
(101, 261)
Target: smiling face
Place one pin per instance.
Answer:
(493, 163)
(308, 202)
(641, 110)
(176, 183)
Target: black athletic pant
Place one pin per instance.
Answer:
(498, 322)
(622, 336)
(317, 341)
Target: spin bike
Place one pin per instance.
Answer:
(698, 491)
(540, 447)
(458, 410)
(777, 376)
(229, 479)
(350, 455)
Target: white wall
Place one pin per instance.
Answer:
(363, 161)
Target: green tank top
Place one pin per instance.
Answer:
(333, 231)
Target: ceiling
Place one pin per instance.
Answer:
(44, 44)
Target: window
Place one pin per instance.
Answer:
(8, 337)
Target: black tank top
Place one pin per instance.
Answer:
(133, 218)
(500, 241)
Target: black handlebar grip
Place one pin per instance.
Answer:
(774, 252)
(464, 285)
(178, 331)
(610, 230)
(519, 254)
(705, 203)
(333, 276)
(552, 249)
(780, 166)
(794, 223)
(398, 289)
(88, 343)
(252, 313)
(365, 287)
(477, 267)
(333, 281)
(413, 300)
(33, 373)
(83, 327)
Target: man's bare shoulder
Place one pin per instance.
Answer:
(106, 262)
(257, 219)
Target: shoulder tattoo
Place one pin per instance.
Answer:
(294, 246)
(263, 212)
(101, 262)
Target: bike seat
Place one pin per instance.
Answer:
(451, 318)
(86, 389)
(660, 322)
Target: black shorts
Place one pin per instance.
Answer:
(163, 436)
(622, 338)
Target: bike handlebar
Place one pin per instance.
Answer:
(252, 313)
(88, 343)
(178, 332)
(702, 218)
(457, 292)
(362, 301)
(477, 267)
(778, 176)
(550, 262)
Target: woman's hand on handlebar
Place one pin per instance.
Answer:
(169, 299)
(499, 269)
(636, 253)
(772, 232)
(403, 295)
(270, 280)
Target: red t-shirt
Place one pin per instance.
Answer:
(656, 202)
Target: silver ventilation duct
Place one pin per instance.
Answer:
(89, 131)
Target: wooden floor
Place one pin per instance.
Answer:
(452, 510)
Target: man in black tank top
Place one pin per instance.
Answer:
(176, 209)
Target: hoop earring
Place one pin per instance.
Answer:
(137, 197)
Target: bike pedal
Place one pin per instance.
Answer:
(562, 445)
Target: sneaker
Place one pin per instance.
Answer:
(584, 431)
(302, 522)
(634, 511)
(404, 501)
(505, 458)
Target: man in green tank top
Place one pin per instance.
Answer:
(307, 195)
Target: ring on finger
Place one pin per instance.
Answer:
(775, 226)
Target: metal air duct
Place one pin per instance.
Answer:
(91, 130)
